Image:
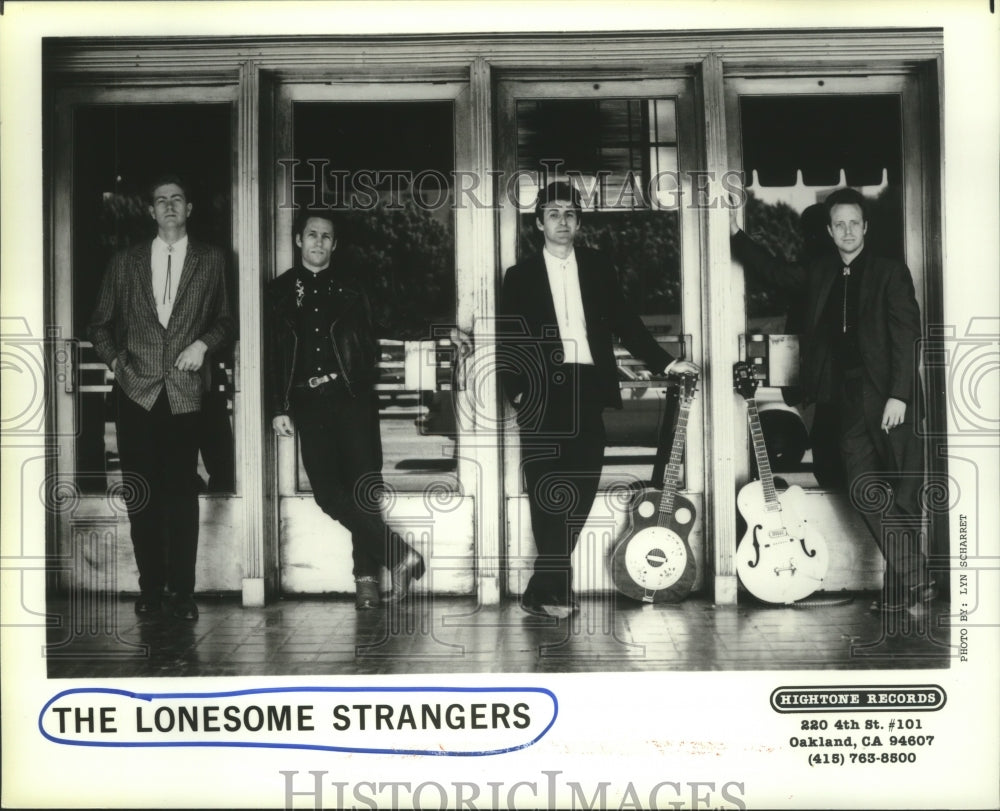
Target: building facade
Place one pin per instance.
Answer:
(430, 149)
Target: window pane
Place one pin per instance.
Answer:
(387, 174)
(665, 122)
(608, 149)
(665, 187)
(118, 150)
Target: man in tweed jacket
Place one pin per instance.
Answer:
(162, 307)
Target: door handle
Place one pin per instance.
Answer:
(236, 366)
(464, 345)
(64, 364)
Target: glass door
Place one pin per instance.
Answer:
(110, 145)
(383, 159)
(796, 140)
(628, 147)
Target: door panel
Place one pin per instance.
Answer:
(796, 140)
(112, 144)
(386, 169)
(627, 147)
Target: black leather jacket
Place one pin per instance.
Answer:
(352, 332)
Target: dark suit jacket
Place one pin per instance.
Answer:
(889, 321)
(125, 325)
(528, 326)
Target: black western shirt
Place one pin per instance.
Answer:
(318, 303)
(841, 315)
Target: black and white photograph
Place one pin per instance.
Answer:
(500, 405)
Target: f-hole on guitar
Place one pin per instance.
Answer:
(782, 558)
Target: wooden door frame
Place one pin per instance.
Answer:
(62, 104)
(477, 467)
(678, 84)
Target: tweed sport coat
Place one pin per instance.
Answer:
(888, 321)
(125, 325)
(528, 327)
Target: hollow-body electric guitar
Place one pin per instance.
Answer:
(781, 558)
(652, 561)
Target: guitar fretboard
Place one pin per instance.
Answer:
(771, 502)
(672, 472)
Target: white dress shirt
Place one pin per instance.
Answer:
(564, 280)
(168, 262)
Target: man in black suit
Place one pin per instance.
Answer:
(862, 324)
(559, 310)
(161, 310)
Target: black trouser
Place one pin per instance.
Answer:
(562, 454)
(824, 438)
(892, 468)
(341, 450)
(159, 457)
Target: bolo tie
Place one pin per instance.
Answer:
(847, 279)
(166, 284)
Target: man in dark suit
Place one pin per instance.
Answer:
(559, 310)
(322, 371)
(858, 355)
(161, 307)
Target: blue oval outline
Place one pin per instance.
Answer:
(312, 746)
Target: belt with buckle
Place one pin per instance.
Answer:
(319, 380)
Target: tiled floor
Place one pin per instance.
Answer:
(104, 638)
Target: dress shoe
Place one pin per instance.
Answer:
(888, 604)
(148, 604)
(532, 605)
(922, 593)
(918, 597)
(366, 594)
(183, 607)
(541, 605)
(913, 599)
(557, 610)
(408, 569)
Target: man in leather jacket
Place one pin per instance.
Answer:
(322, 369)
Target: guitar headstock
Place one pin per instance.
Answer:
(687, 385)
(744, 380)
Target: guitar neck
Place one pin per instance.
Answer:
(760, 452)
(672, 473)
